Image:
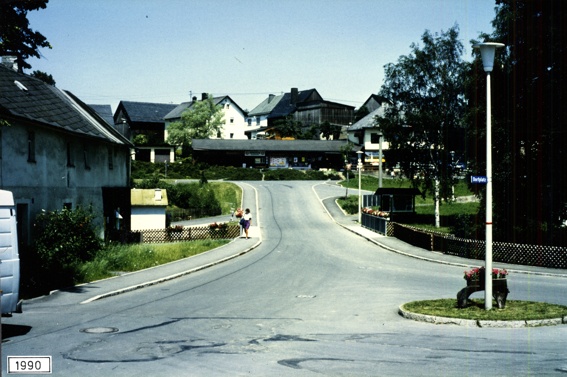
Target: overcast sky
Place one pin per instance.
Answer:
(105, 51)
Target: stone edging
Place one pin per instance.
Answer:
(479, 323)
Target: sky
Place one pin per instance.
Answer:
(166, 51)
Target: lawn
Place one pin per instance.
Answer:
(514, 310)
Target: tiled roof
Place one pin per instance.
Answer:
(177, 111)
(27, 98)
(105, 112)
(367, 121)
(268, 145)
(146, 112)
(266, 106)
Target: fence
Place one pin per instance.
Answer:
(179, 234)
(529, 255)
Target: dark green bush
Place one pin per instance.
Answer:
(298, 175)
(63, 239)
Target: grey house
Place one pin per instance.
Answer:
(56, 152)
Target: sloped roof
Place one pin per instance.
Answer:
(284, 107)
(105, 112)
(148, 198)
(266, 106)
(30, 99)
(144, 112)
(330, 146)
(367, 121)
(178, 110)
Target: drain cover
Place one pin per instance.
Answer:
(99, 330)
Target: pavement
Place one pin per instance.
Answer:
(86, 293)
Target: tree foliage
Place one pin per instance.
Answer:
(16, 36)
(529, 88)
(202, 120)
(424, 120)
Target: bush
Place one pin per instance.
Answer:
(298, 175)
(63, 240)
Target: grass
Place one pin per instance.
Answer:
(127, 258)
(228, 194)
(514, 311)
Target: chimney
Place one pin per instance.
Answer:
(294, 95)
(271, 97)
(204, 96)
(10, 62)
(194, 98)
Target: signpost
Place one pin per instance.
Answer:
(481, 179)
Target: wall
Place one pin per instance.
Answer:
(148, 218)
(50, 182)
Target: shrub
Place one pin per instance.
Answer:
(63, 240)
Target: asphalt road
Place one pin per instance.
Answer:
(312, 299)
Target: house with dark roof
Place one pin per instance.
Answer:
(272, 154)
(143, 123)
(57, 152)
(234, 117)
(306, 107)
(367, 135)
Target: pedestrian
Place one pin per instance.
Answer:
(248, 221)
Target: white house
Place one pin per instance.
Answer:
(148, 209)
(235, 124)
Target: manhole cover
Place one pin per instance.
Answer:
(99, 330)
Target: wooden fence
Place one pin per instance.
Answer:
(179, 234)
(529, 255)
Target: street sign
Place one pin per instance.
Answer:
(479, 179)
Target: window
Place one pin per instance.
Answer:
(258, 121)
(232, 136)
(31, 146)
(228, 106)
(375, 138)
(249, 121)
(69, 156)
(231, 120)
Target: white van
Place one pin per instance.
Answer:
(9, 257)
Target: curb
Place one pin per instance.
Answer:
(480, 323)
(167, 278)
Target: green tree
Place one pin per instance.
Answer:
(48, 79)
(529, 87)
(288, 127)
(202, 120)
(16, 36)
(426, 92)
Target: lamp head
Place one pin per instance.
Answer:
(487, 51)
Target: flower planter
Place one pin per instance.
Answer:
(476, 282)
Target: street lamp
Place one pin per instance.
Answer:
(487, 51)
(359, 168)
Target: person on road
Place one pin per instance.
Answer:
(248, 218)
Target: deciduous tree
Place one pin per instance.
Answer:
(426, 92)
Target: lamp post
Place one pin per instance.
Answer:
(487, 51)
(359, 168)
(381, 157)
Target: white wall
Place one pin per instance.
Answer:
(148, 218)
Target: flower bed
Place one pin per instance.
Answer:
(375, 212)
(478, 273)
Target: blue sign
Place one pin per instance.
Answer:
(479, 179)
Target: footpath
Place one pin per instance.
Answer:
(86, 293)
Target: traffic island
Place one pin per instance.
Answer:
(516, 315)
